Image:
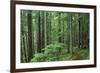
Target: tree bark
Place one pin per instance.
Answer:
(71, 48)
(45, 28)
(29, 22)
(79, 44)
(59, 22)
(39, 33)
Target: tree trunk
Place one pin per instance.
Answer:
(79, 44)
(59, 23)
(39, 33)
(29, 22)
(45, 28)
(71, 48)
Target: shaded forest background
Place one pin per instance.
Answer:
(54, 36)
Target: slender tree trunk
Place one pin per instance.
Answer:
(71, 48)
(42, 28)
(49, 28)
(82, 38)
(29, 22)
(79, 45)
(45, 28)
(59, 27)
(22, 50)
(39, 34)
(68, 34)
(24, 47)
(63, 30)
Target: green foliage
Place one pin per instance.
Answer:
(82, 54)
(54, 36)
(38, 57)
(56, 52)
(53, 51)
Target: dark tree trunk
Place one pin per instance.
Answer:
(39, 34)
(59, 27)
(25, 56)
(79, 44)
(42, 28)
(29, 22)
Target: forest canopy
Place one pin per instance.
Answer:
(54, 36)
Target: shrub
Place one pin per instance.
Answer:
(57, 52)
(82, 54)
(39, 57)
(53, 51)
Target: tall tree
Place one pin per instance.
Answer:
(29, 22)
(59, 25)
(24, 36)
(79, 46)
(39, 32)
(71, 47)
(45, 28)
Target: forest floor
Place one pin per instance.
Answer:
(81, 54)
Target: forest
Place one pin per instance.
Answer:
(53, 36)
